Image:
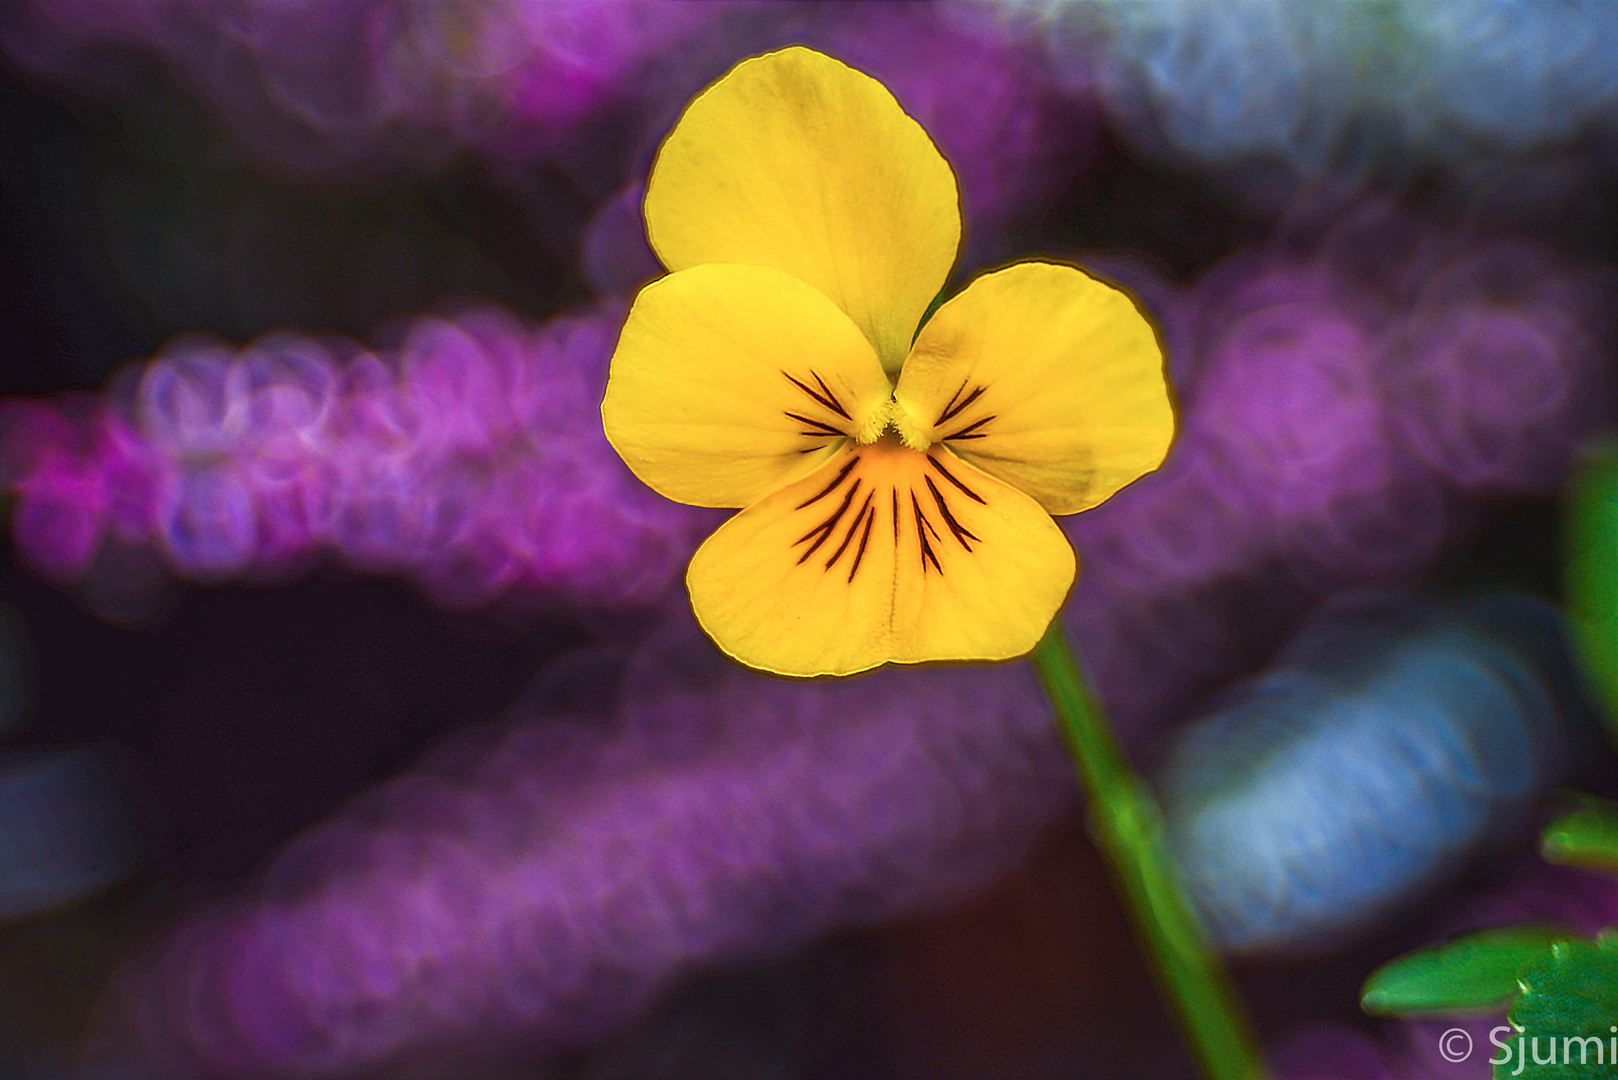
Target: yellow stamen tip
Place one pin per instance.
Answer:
(913, 436)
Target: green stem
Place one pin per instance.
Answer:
(1129, 831)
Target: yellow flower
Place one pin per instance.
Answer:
(897, 494)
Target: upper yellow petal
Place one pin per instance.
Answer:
(1044, 377)
(796, 161)
(882, 554)
(728, 381)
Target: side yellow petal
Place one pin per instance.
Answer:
(882, 554)
(797, 161)
(728, 381)
(1044, 377)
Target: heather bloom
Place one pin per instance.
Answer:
(897, 483)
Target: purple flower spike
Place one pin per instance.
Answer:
(1303, 433)
(1503, 365)
(470, 458)
(80, 473)
(547, 65)
(546, 880)
(1340, 408)
(61, 502)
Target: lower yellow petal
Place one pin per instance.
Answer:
(1044, 377)
(882, 554)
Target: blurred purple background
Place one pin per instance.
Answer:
(353, 720)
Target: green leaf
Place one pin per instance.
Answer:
(1568, 996)
(1591, 550)
(1474, 973)
(1587, 836)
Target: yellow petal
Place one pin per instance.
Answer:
(797, 161)
(728, 381)
(1044, 377)
(882, 554)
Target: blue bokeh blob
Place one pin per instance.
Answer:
(1391, 740)
(66, 831)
